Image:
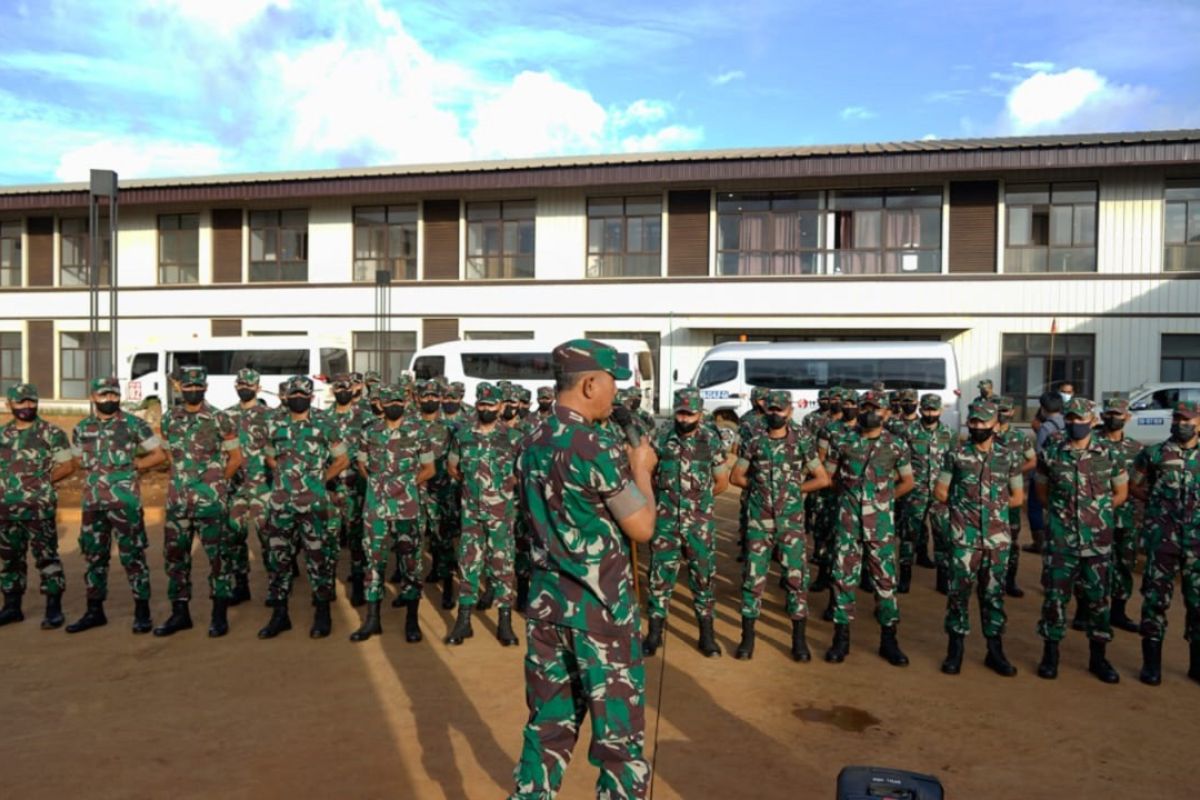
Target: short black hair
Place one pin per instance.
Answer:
(1051, 402)
(566, 381)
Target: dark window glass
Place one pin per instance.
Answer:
(885, 231)
(1182, 227)
(624, 237)
(385, 238)
(10, 360)
(143, 363)
(1051, 227)
(714, 372)
(510, 366)
(429, 367)
(279, 245)
(1180, 357)
(852, 373)
(500, 240)
(10, 253)
(334, 361)
(768, 234)
(386, 353)
(1034, 363)
(179, 248)
(74, 245)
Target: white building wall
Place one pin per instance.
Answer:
(560, 237)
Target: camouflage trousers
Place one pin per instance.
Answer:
(1124, 558)
(1062, 571)
(984, 570)
(523, 561)
(347, 524)
(179, 534)
(824, 531)
(289, 533)
(486, 544)
(443, 542)
(96, 532)
(384, 536)
(247, 511)
(764, 537)
(431, 522)
(18, 536)
(694, 541)
(1166, 556)
(914, 510)
(872, 540)
(570, 674)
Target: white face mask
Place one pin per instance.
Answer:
(1066, 397)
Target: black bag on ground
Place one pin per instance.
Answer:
(880, 783)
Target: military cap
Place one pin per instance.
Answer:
(908, 395)
(1117, 405)
(688, 399)
(342, 380)
(193, 376)
(508, 392)
(849, 397)
(823, 394)
(758, 393)
(779, 398)
(986, 383)
(545, 393)
(372, 376)
(871, 397)
(356, 377)
(1004, 403)
(390, 393)
(109, 385)
(523, 394)
(427, 388)
(982, 410)
(588, 355)
(1078, 406)
(441, 382)
(878, 386)
(931, 402)
(22, 391)
(299, 384)
(247, 376)
(454, 391)
(1188, 409)
(283, 387)
(488, 393)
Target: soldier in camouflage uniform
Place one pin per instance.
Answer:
(1168, 478)
(692, 470)
(106, 445)
(370, 395)
(985, 389)
(904, 413)
(202, 447)
(1124, 453)
(584, 499)
(872, 470)
(481, 456)
(395, 458)
(816, 515)
(545, 402)
(1020, 444)
(36, 455)
(454, 411)
(928, 442)
(435, 528)
(979, 481)
(1080, 485)
(251, 484)
(777, 468)
(524, 401)
(843, 420)
(346, 491)
(631, 398)
(749, 425)
(304, 454)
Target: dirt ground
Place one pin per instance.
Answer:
(109, 714)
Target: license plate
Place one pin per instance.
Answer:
(714, 394)
(135, 390)
(1151, 421)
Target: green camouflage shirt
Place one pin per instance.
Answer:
(392, 458)
(1081, 481)
(926, 449)
(866, 470)
(106, 450)
(253, 430)
(1017, 442)
(775, 469)
(486, 459)
(683, 479)
(29, 456)
(302, 449)
(198, 444)
(1124, 453)
(981, 484)
(1172, 476)
(348, 426)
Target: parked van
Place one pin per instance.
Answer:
(145, 372)
(729, 371)
(1151, 406)
(525, 362)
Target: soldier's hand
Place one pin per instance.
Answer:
(642, 459)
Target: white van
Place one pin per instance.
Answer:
(525, 362)
(145, 383)
(729, 371)
(1152, 406)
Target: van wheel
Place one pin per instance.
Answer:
(153, 412)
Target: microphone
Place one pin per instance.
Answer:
(624, 418)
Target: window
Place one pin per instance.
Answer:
(1182, 233)
(485, 335)
(74, 247)
(10, 360)
(387, 353)
(886, 231)
(10, 253)
(768, 233)
(1051, 227)
(624, 237)
(500, 240)
(1030, 367)
(714, 372)
(426, 368)
(143, 364)
(179, 248)
(279, 246)
(73, 363)
(385, 238)
(508, 366)
(925, 374)
(334, 361)
(1180, 357)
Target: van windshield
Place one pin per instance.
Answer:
(851, 373)
(509, 366)
(426, 368)
(714, 372)
(228, 362)
(143, 363)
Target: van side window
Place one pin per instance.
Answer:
(714, 372)
(143, 363)
(427, 368)
(334, 361)
(1164, 399)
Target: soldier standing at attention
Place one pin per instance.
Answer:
(1020, 445)
(845, 421)
(435, 528)
(632, 398)
(692, 470)
(749, 425)
(346, 491)
(904, 414)
(586, 499)
(481, 456)
(453, 411)
(817, 516)
(777, 468)
(106, 444)
(394, 459)
(872, 470)
(979, 481)
(202, 447)
(524, 400)
(986, 392)
(36, 455)
(928, 442)
(545, 402)
(250, 487)
(1080, 486)
(304, 454)
(1124, 452)
(1168, 476)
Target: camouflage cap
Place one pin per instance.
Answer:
(193, 376)
(341, 380)
(523, 395)
(1188, 409)
(22, 391)
(372, 376)
(545, 393)
(391, 393)
(454, 391)
(779, 398)
(488, 393)
(508, 392)
(688, 399)
(283, 387)
(1004, 403)
(299, 384)
(849, 397)
(405, 382)
(1078, 407)
(356, 377)
(758, 393)
(248, 376)
(109, 385)
(1116, 405)
(931, 402)
(425, 388)
(893, 396)
(982, 410)
(908, 395)
(823, 394)
(986, 383)
(441, 382)
(878, 386)
(588, 355)
(874, 398)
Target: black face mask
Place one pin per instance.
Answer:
(1182, 432)
(544, 406)
(108, 406)
(376, 408)
(822, 405)
(343, 396)
(1078, 431)
(1004, 418)
(487, 417)
(980, 435)
(451, 407)
(684, 428)
(393, 412)
(849, 413)
(908, 408)
(776, 421)
(835, 408)
(929, 420)
(246, 395)
(869, 420)
(193, 397)
(429, 406)
(298, 405)
(509, 413)
(25, 414)
(522, 412)
(1113, 423)
(634, 405)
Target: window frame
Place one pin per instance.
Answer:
(1189, 248)
(11, 231)
(882, 256)
(1183, 360)
(364, 352)
(102, 346)
(623, 255)
(186, 273)
(9, 379)
(1068, 349)
(505, 265)
(278, 265)
(82, 245)
(773, 216)
(1050, 205)
(412, 262)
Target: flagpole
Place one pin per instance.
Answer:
(1053, 331)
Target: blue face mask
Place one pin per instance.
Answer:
(1066, 397)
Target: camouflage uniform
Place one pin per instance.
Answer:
(1124, 453)
(436, 529)
(749, 425)
(829, 435)
(251, 485)
(545, 393)
(345, 513)
(583, 655)
(642, 418)
(926, 447)
(1020, 445)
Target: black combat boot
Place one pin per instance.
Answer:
(412, 622)
(1194, 661)
(92, 618)
(1098, 663)
(745, 648)
(942, 583)
(241, 590)
(433, 576)
(12, 609)
(357, 596)
(1035, 546)
(996, 660)
(827, 614)
(504, 629)
(54, 616)
(322, 623)
(653, 639)
(447, 591)
(398, 573)
(889, 647)
(279, 622)
(462, 627)
(1079, 621)
(1010, 578)
(905, 582)
(371, 625)
(840, 647)
(1151, 673)
(800, 650)
(486, 599)
(141, 616)
(821, 583)
(1120, 619)
(522, 594)
(1048, 669)
(218, 626)
(180, 620)
(708, 643)
(954, 655)
(923, 559)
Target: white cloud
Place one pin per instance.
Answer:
(1075, 99)
(223, 16)
(672, 137)
(1034, 66)
(134, 157)
(930, 137)
(538, 115)
(857, 113)
(727, 77)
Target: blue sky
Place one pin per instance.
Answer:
(188, 87)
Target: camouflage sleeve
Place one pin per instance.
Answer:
(1119, 476)
(338, 448)
(453, 450)
(608, 475)
(76, 448)
(717, 447)
(1027, 449)
(269, 447)
(1016, 478)
(947, 472)
(747, 450)
(903, 465)
(1141, 465)
(145, 435)
(60, 445)
(426, 455)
